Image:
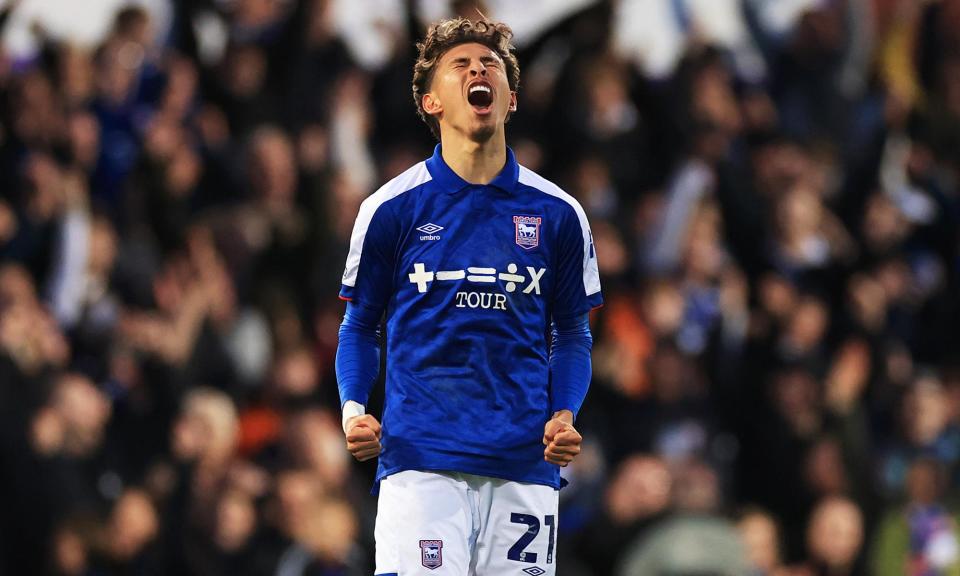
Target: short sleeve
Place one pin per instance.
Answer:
(578, 277)
(368, 277)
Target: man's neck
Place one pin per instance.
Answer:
(475, 162)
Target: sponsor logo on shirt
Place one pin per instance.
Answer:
(485, 300)
(512, 279)
(430, 231)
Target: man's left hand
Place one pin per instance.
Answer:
(561, 439)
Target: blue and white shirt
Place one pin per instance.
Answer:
(470, 277)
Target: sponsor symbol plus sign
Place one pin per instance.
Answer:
(421, 277)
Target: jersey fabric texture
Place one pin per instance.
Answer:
(470, 278)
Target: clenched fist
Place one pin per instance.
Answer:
(561, 439)
(363, 437)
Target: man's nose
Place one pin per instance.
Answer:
(478, 69)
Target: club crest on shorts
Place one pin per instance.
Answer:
(431, 553)
(527, 231)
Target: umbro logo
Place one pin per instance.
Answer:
(429, 231)
(429, 228)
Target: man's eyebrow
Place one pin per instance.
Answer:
(466, 60)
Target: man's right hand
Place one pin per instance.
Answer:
(363, 437)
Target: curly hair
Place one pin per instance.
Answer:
(446, 34)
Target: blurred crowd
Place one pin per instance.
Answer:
(774, 189)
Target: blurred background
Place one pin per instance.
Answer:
(774, 189)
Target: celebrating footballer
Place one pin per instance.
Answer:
(473, 260)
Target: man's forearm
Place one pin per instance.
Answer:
(570, 366)
(358, 354)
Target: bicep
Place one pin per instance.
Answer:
(368, 277)
(578, 278)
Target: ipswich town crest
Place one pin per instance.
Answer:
(431, 553)
(528, 231)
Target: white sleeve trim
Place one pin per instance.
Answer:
(591, 273)
(413, 177)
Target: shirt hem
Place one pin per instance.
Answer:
(475, 470)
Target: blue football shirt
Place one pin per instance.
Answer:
(470, 277)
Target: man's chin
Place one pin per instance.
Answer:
(483, 133)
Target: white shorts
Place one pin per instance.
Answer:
(447, 523)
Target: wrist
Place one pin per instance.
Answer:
(351, 409)
(564, 416)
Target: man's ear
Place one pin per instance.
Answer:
(513, 102)
(431, 104)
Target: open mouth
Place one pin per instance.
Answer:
(480, 96)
